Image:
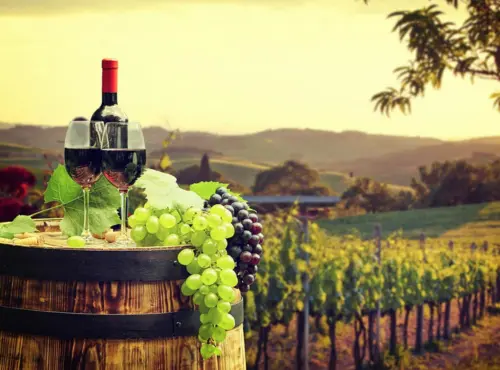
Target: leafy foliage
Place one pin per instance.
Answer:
(19, 225)
(470, 49)
(162, 191)
(104, 200)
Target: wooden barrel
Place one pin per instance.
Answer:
(102, 308)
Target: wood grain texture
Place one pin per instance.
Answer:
(24, 352)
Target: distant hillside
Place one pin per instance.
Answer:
(399, 167)
(315, 147)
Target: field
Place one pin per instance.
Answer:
(476, 220)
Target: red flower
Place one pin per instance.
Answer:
(10, 208)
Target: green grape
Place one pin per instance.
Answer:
(162, 233)
(226, 293)
(76, 241)
(200, 223)
(167, 221)
(227, 322)
(214, 257)
(209, 247)
(213, 288)
(194, 267)
(204, 289)
(205, 331)
(219, 334)
(226, 262)
(228, 277)
(142, 215)
(172, 239)
(208, 350)
(190, 213)
(194, 282)
(152, 224)
(219, 210)
(198, 237)
(204, 260)
(221, 245)
(211, 300)
(198, 297)
(218, 233)
(138, 233)
(202, 307)
(227, 216)
(186, 291)
(224, 306)
(150, 240)
(177, 216)
(213, 220)
(209, 276)
(132, 221)
(147, 205)
(215, 315)
(185, 256)
(205, 318)
(184, 229)
(229, 230)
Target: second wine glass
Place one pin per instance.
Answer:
(123, 162)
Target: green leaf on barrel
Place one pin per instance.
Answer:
(104, 201)
(21, 224)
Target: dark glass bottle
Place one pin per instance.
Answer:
(109, 111)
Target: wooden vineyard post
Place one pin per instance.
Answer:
(447, 309)
(420, 309)
(378, 235)
(302, 357)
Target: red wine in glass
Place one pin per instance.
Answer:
(122, 167)
(83, 165)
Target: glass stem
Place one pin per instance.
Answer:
(124, 210)
(86, 205)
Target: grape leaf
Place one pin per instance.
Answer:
(21, 224)
(104, 201)
(163, 192)
(205, 189)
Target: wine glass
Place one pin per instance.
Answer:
(123, 161)
(83, 163)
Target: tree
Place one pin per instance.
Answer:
(205, 173)
(470, 49)
(290, 178)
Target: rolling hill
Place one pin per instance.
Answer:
(389, 159)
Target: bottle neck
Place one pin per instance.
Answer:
(109, 86)
(109, 98)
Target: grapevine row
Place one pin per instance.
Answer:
(348, 282)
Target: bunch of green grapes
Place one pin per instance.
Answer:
(211, 269)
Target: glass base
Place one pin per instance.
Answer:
(126, 243)
(90, 240)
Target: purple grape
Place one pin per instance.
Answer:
(229, 208)
(254, 240)
(255, 259)
(247, 224)
(246, 235)
(235, 252)
(257, 249)
(244, 288)
(246, 257)
(215, 199)
(252, 269)
(253, 217)
(256, 228)
(248, 279)
(238, 228)
(247, 248)
(242, 214)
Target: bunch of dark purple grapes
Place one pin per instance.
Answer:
(246, 245)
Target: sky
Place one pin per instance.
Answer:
(225, 66)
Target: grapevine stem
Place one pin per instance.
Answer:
(46, 210)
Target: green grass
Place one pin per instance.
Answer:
(478, 220)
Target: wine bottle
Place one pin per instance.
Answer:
(109, 111)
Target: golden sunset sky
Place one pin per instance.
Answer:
(225, 66)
